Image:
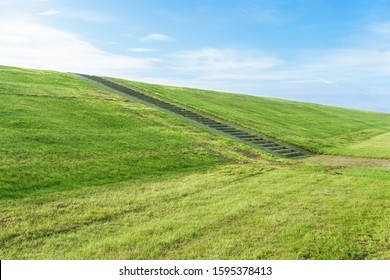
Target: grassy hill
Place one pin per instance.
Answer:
(59, 131)
(321, 129)
(86, 174)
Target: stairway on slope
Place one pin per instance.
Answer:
(254, 139)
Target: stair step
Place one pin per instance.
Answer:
(230, 131)
(201, 120)
(245, 136)
(259, 141)
(196, 116)
(282, 150)
(218, 126)
(238, 134)
(267, 145)
(276, 148)
(291, 154)
(168, 108)
(249, 137)
(222, 128)
(298, 157)
(171, 107)
(227, 127)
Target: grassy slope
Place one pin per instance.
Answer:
(57, 131)
(322, 129)
(86, 175)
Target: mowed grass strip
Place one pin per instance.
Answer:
(379, 144)
(319, 128)
(250, 211)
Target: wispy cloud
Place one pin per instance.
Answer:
(156, 37)
(86, 16)
(302, 80)
(346, 62)
(231, 61)
(50, 12)
(35, 45)
(381, 29)
(31, 8)
(140, 50)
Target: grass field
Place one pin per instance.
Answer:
(247, 211)
(321, 129)
(86, 174)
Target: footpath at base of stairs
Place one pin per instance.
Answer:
(350, 161)
(254, 139)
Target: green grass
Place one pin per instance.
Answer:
(321, 129)
(377, 145)
(86, 174)
(233, 212)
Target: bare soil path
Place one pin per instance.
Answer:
(349, 161)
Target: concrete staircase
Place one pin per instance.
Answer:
(254, 139)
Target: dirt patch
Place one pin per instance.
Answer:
(40, 95)
(248, 153)
(349, 161)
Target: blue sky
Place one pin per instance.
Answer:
(322, 51)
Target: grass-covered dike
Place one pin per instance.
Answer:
(87, 174)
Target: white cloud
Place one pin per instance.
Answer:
(34, 45)
(140, 50)
(156, 37)
(51, 12)
(260, 76)
(224, 61)
(358, 63)
(309, 81)
(381, 29)
(78, 15)
(27, 8)
(86, 16)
